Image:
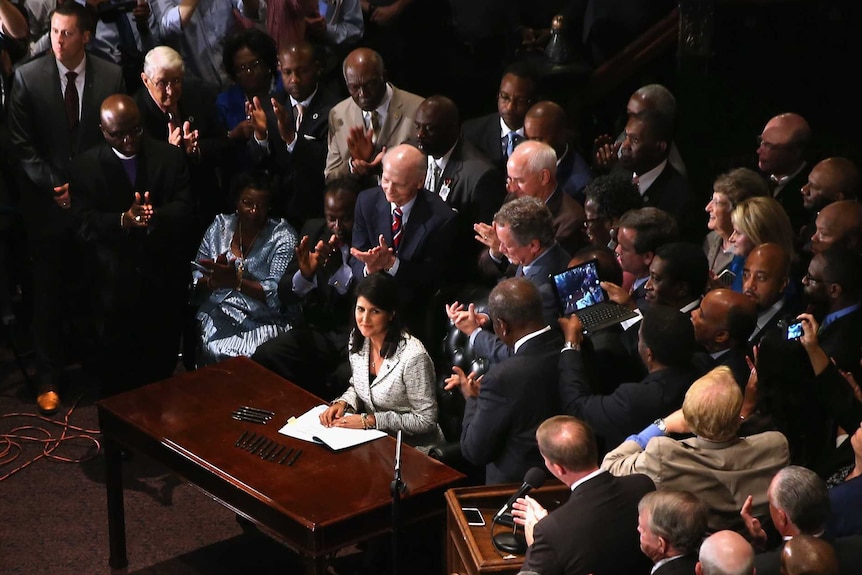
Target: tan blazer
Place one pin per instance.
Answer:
(722, 475)
(396, 128)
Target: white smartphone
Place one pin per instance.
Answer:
(473, 515)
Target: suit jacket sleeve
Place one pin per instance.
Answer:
(361, 238)
(22, 127)
(605, 413)
(628, 458)
(417, 377)
(489, 346)
(543, 556)
(486, 419)
(336, 158)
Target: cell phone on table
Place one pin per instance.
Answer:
(473, 515)
(200, 267)
(726, 277)
(793, 331)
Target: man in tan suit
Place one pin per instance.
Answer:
(722, 468)
(377, 115)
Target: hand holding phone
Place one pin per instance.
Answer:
(793, 331)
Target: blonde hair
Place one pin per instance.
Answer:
(712, 405)
(764, 220)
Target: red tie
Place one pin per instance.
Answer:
(71, 100)
(396, 228)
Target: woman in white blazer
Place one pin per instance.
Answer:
(392, 377)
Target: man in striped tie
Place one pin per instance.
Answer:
(403, 229)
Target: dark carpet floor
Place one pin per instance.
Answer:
(53, 516)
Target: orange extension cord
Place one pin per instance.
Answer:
(12, 442)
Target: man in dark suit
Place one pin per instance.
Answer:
(799, 505)
(666, 344)
(838, 224)
(645, 152)
(460, 174)
(320, 281)
(722, 324)
(526, 248)
(53, 116)
(546, 122)
(290, 136)
(182, 112)
(132, 197)
(403, 229)
(593, 531)
(505, 408)
(831, 287)
(781, 151)
(766, 276)
(672, 525)
(496, 135)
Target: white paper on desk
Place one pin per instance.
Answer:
(307, 427)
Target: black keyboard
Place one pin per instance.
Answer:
(599, 316)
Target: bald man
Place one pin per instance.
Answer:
(725, 553)
(838, 224)
(133, 202)
(415, 250)
(546, 122)
(722, 325)
(830, 180)
(460, 175)
(766, 274)
(532, 171)
(808, 555)
(376, 115)
(781, 159)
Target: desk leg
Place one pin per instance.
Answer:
(116, 509)
(315, 565)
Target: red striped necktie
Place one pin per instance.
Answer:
(396, 228)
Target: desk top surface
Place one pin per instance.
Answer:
(190, 415)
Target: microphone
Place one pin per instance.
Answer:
(535, 477)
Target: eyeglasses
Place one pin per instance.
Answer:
(771, 146)
(808, 279)
(123, 134)
(253, 206)
(249, 68)
(163, 84)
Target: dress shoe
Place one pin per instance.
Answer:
(48, 402)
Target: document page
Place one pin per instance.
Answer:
(307, 427)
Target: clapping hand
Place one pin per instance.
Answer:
(380, 257)
(527, 511)
(469, 384)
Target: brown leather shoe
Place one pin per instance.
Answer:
(48, 402)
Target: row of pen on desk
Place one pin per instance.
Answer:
(267, 449)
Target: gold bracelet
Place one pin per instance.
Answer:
(364, 421)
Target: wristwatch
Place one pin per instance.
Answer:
(661, 425)
(571, 345)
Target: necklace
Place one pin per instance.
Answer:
(241, 263)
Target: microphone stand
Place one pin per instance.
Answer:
(397, 487)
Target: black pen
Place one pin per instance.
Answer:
(257, 410)
(252, 413)
(248, 440)
(276, 453)
(262, 448)
(269, 450)
(251, 418)
(294, 458)
(286, 455)
(241, 438)
(253, 447)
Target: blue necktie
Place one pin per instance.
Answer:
(513, 139)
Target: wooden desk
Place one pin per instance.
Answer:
(322, 503)
(469, 549)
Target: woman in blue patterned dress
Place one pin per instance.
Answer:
(242, 257)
